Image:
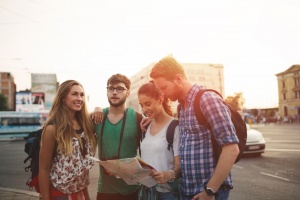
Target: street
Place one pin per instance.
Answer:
(274, 175)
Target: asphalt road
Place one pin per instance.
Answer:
(274, 175)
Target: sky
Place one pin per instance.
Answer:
(93, 39)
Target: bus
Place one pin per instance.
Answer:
(20, 124)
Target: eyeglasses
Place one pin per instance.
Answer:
(119, 89)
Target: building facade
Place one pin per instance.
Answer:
(208, 75)
(8, 88)
(47, 84)
(289, 92)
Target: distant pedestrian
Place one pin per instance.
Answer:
(279, 119)
(264, 120)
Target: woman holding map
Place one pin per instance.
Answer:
(154, 145)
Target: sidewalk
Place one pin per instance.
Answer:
(14, 194)
(273, 124)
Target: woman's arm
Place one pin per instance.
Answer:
(97, 116)
(47, 150)
(177, 167)
(167, 176)
(145, 122)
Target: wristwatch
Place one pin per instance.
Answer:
(209, 191)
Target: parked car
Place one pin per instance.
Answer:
(255, 144)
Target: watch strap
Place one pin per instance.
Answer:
(209, 191)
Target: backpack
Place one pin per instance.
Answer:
(32, 148)
(169, 136)
(236, 118)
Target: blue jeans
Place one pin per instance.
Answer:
(223, 194)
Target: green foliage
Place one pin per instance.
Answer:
(236, 101)
(3, 103)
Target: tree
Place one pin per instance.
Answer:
(3, 103)
(236, 101)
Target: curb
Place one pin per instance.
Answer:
(31, 193)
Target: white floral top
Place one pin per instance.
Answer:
(70, 174)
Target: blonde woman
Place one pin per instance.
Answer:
(68, 138)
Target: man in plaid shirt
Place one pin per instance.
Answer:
(202, 176)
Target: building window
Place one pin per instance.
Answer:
(284, 96)
(283, 84)
(297, 94)
(285, 110)
(5, 91)
(5, 84)
(297, 81)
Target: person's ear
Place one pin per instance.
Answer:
(161, 99)
(178, 78)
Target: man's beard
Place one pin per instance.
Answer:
(176, 96)
(120, 103)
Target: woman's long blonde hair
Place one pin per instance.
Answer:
(64, 132)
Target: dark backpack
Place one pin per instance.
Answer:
(32, 148)
(236, 118)
(169, 135)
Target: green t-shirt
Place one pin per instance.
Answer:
(110, 146)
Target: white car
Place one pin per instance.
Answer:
(255, 142)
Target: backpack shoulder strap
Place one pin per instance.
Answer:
(198, 112)
(170, 133)
(139, 118)
(202, 120)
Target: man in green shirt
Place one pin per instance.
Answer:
(117, 138)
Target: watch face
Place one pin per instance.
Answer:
(209, 192)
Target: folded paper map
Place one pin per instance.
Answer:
(131, 170)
